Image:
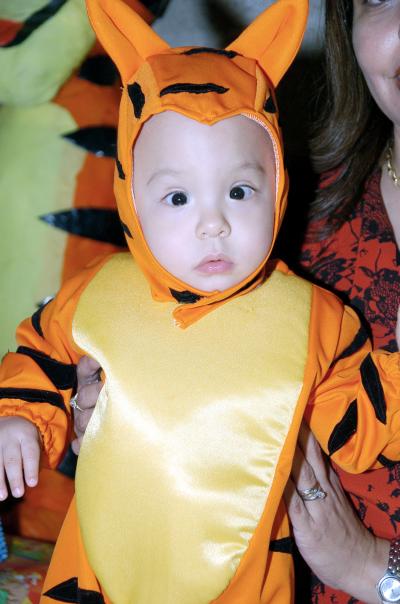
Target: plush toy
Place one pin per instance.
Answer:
(59, 96)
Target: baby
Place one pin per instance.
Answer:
(184, 462)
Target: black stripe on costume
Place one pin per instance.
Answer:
(185, 297)
(283, 546)
(373, 387)
(86, 596)
(31, 395)
(35, 319)
(344, 429)
(99, 140)
(120, 169)
(137, 97)
(197, 50)
(387, 463)
(63, 376)
(193, 89)
(68, 591)
(35, 21)
(99, 70)
(358, 342)
(64, 592)
(126, 230)
(269, 105)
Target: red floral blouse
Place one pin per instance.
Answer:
(361, 262)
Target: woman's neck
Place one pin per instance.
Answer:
(390, 188)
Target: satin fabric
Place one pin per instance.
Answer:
(187, 432)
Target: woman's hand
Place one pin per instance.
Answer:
(89, 386)
(332, 540)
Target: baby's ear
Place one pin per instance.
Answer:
(274, 38)
(125, 36)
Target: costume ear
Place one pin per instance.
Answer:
(125, 36)
(274, 38)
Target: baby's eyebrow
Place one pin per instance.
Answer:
(163, 172)
(249, 165)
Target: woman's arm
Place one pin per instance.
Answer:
(330, 537)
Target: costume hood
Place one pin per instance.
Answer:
(203, 84)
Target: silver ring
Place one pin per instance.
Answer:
(74, 403)
(315, 492)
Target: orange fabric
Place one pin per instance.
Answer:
(331, 384)
(266, 49)
(264, 576)
(41, 513)
(91, 105)
(20, 371)
(75, 564)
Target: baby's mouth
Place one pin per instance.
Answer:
(214, 264)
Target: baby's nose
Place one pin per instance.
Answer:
(213, 224)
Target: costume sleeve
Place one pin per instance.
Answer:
(354, 411)
(38, 380)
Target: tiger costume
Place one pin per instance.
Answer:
(183, 466)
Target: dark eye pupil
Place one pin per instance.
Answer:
(179, 199)
(237, 193)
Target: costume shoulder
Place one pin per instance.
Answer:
(353, 406)
(38, 380)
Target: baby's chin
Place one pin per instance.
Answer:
(213, 283)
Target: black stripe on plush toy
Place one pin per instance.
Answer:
(185, 297)
(360, 338)
(35, 21)
(99, 140)
(269, 105)
(120, 169)
(231, 54)
(93, 223)
(33, 395)
(99, 70)
(137, 97)
(62, 376)
(343, 429)
(283, 546)
(193, 89)
(373, 387)
(68, 591)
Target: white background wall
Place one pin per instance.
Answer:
(209, 22)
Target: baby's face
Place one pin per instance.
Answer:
(205, 197)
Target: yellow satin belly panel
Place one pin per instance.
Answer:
(180, 454)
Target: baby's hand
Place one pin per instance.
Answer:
(19, 455)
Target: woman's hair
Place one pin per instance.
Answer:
(351, 131)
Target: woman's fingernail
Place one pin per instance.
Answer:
(32, 482)
(17, 492)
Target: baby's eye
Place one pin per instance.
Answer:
(241, 192)
(178, 198)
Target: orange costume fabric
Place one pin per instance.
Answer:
(183, 466)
